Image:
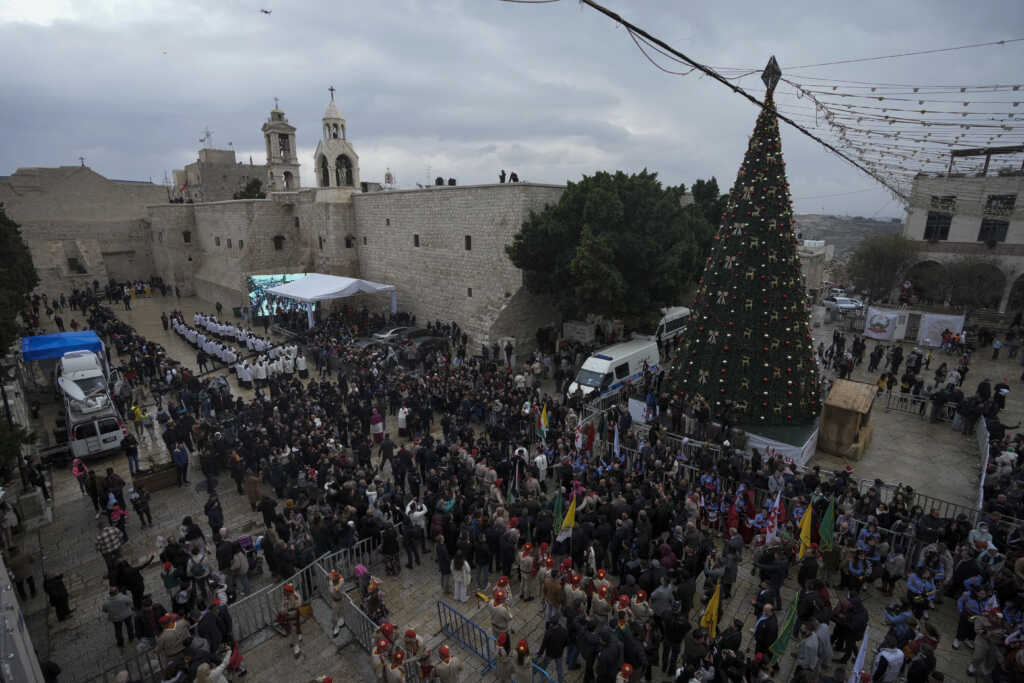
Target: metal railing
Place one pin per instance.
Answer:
(473, 637)
(467, 633)
(363, 629)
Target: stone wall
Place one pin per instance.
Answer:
(440, 279)
(72, 212)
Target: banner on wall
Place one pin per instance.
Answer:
(934, 324)
(798, 454)
(881, 324)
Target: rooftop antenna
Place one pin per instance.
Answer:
(207, 137)
(82, 161)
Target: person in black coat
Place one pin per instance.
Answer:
(53, 586)
(553, 646)
(766, 630)
(808, 567)
(207, 628)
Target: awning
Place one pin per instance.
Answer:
(45, 346)
(319, 287)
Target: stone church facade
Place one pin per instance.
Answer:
(442, 246)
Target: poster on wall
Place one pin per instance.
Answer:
(881, 324)
(934, 324)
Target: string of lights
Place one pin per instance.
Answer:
(890, 131)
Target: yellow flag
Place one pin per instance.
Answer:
(805, 532)
(710, 618)
(565, 531)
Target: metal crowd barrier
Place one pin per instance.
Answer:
(473, 637)
(467, 633)
(363, 627)
(907, 403)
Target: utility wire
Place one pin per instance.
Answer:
(740, 91)
(903, 54)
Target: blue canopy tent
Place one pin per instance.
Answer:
(45, 346)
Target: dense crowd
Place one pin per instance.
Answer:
(353, 453)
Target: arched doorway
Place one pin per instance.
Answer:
(288, 180)
(975, 284)
(1015, 302)
(343, 170)
(929, 282)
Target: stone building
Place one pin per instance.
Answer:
(443, 247)
(951, 216)
(216, 176)
(282, 155)
(80, 226)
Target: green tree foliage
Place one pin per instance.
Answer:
(253, 190)
(17, 278)
(880, 263)
(749, 340)
(974, 283)
(616, 245)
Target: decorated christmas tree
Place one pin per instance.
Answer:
(749, 341)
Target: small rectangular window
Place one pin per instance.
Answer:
(937, 225)
(229, 243)
(469, 242)
(993, 230)
(415, 240)
(241, 244)
(387, 221)
(364, 240)
(296, 221)
(622, 371)
(350, 241)
(216, 241)
(108, 425)
(469, 292)
(1000, 205)
(186, 236)
(321, 238)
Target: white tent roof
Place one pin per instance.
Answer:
(319, 287)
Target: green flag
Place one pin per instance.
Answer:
(778, 648)
(826, 530)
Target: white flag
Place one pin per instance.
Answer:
(615, 446)
(773, 520)
(862, 653)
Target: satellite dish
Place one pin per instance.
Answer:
(71, 389)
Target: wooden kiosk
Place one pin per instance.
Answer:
(844, 421)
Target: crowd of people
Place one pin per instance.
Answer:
(353, 453)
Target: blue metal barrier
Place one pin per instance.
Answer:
(467, 633)
(472, 636)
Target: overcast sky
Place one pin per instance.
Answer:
(460, 88)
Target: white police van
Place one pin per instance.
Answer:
(606, 371)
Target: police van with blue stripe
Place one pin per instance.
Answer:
(611, 368)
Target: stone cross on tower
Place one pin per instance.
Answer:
(331, 89)
(82, 160)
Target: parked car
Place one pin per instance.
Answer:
(371, 344)
(421, 346)
(842, 304)
(392, 334)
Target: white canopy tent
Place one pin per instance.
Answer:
(320, 287)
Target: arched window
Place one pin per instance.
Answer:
(343, 170)
(325, 173)
(334, 131)
(278, 242)
(288, 180)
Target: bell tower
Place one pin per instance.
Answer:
(282, 157)
(336, 162)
